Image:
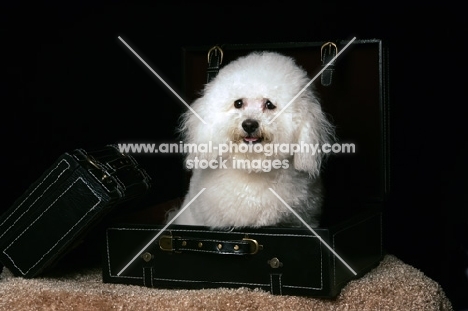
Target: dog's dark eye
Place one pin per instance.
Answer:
(238, 104)
(269, 105)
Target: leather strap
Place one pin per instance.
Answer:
(275, 284)
(148, 276)
(188, 244)
(328, 51)
(215, 59)
(115, 171)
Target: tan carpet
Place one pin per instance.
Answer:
(393, 285)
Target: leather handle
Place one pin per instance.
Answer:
(178, 244)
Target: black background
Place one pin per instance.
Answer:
(68, 82)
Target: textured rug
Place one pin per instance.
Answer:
(393, 285)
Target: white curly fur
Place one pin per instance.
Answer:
(236, 197)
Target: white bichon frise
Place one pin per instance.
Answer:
(249, 144)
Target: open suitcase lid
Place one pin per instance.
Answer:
(356, 101)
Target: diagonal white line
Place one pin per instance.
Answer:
(311, 81)
(160, 232)
(313, 231)
(161, 79)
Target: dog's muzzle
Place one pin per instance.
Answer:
(251, 126)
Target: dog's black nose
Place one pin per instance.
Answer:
(250, 126)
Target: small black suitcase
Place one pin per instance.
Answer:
(284, 261)
(51, 217)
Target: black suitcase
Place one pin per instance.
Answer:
(284, 261)
(57, 211)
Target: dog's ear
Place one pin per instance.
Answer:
(190, 130)
(196, 135)
(314, 131)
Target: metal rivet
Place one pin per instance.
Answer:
(275, 263)
(200, 244)
(184, 243)
(220, 246)
(236, 247)
(147, 256)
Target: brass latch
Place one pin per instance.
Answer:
(254, 246)
(165, 243)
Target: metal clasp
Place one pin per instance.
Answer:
(215, 49)
(147, 256)
(275, 263)
(165, 243)
(91, 160)
(254, 246)
(329, 46)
